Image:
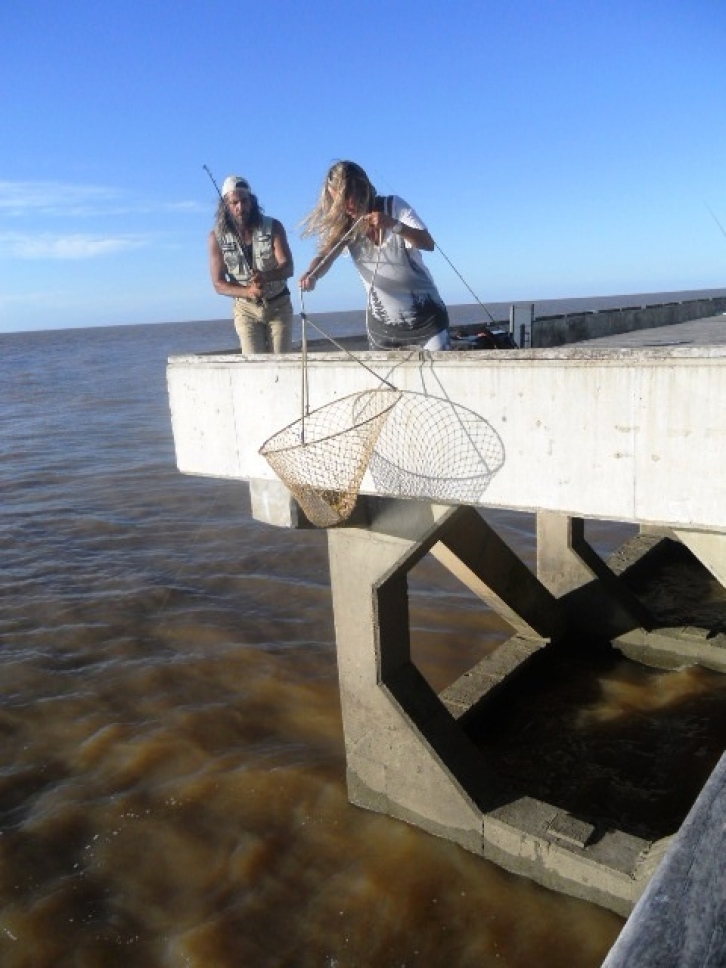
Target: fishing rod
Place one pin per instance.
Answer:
(326, 258)
(231, 222)
(715, 218)
(329, 254)
(441, 252)
(451, 264)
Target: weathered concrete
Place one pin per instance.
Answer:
(654, 644)
(583, 431)
(710, 549)
(407, 756)
(576, 327)
(624, 435)
(596, 601)
(476, 555)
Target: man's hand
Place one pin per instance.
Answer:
(255, 287)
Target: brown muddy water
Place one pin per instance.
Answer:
(172, 772)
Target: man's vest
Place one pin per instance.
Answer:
(263, 257)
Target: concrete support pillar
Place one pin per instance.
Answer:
(710, 549)
(559, 566)
(405, 755)
(272, 503)
(408, 754)
(592, 593)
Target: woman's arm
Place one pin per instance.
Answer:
(317, 268)
(418, 238)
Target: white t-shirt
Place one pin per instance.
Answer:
(404, 305)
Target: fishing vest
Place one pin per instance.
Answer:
(263, 257)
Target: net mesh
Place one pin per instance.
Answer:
(433, 448)
(322, 457)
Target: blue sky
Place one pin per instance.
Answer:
(555, 148)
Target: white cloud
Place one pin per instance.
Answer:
(68, 246)
(29, 198)
(26, 198)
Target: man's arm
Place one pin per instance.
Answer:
(283, 255)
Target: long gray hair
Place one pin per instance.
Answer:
(329, 221)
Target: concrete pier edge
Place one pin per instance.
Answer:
(584, 439)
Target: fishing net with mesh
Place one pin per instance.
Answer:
(435, 449)
(322, 457)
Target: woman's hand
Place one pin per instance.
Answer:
(307, 281)
(379, 221)
(418, 238)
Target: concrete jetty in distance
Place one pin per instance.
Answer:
(630, 428)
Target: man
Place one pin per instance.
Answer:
(250, 260)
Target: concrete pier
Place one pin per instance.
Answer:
(629, 435)
(574, 327)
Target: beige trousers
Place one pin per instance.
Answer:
(264, 329)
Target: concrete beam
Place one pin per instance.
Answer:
(475, 554)
(710, 549)
(580, 430)
(407, 755)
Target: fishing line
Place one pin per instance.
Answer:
(441, 252)
(715, 218)
(306, 319)
(334, 248)
(451, 264)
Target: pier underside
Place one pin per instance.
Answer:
(417, 755)
(570, 435)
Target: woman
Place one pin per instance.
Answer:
(250, 260)
(384, 236)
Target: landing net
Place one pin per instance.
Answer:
(322, 457)
(436, 449)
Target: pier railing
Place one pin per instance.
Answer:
(562, 329)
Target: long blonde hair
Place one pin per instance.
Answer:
(329, 221)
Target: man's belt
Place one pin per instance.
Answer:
(260, 302)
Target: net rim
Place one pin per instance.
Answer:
(269, 448)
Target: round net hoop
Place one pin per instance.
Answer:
(322, 457)
(435, 449)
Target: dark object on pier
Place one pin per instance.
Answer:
(679, 920)
(480, 336)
